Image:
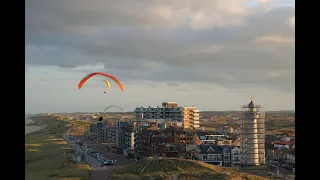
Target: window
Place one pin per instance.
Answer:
(210, 150)
(204, 157)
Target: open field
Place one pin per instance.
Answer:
(164, 169)
(48, 156)
(276, 122)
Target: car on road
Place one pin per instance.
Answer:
(107, 163)
(92, 153)
(96, 155)
(294, 170)
(102, 159)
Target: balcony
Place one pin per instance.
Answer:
(196, 126)
(196, 122)
(195, 118)
(195, 110)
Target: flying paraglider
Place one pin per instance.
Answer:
(113, 106)
(97, 116)
(108, 84)
(81, 83)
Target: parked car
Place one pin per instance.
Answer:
(102, 159)
(107, 163)
(96, 155)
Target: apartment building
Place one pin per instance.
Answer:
(120, 134)
(111, 134)
(170, 111)
(190, 117)
(98, 132)
(168, 124)
(128, 136)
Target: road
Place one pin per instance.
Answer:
(282, 170)
(100, 173)
(121, 160)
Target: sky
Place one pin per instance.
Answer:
(213, 54)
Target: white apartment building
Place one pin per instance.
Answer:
(170, 111)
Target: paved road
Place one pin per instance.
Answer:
(100, 173)
(281, 170)
(121, 160)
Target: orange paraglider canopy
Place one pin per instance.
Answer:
(81, 83)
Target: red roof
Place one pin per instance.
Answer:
(283, 142)
(290, 134)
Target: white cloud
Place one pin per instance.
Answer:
(274, 39)
(226, 46)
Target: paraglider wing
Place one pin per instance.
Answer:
(96, 115)
(108, 84)
(81, 83)
(113, 106)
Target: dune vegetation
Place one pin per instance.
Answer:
(48, 156)
(167, 168)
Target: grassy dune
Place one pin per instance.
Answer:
(48, 156)
(163, 169)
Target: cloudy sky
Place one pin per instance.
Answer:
(213, 54)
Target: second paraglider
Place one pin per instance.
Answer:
(107, 83)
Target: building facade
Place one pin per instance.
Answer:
(98, 132)
(170, 111)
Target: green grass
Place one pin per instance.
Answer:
(163, 169)
(44, 148)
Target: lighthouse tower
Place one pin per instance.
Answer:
(252, 135)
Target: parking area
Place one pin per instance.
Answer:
(96, 155)
(282, 168)
(101, 152)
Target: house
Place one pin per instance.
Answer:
(226, 130)
(211, 154)
(291, 157)
(270, 149)
(208, 138)
(173, 150)
(279, 144)
(226, 156)
(288, 137)
(220, 130)
(226, 142)
(198, 137)
(158, 142)
(281, 153)
(235, 156)
(191, 151)
(235, 141)
(237, 130)
(271, 138)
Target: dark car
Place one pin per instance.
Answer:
(107, 163)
